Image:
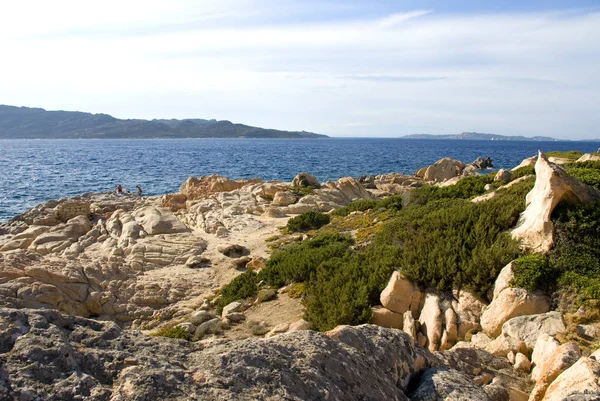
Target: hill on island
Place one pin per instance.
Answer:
(36, 123)
(479, 136)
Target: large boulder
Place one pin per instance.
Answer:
(512, 302)
(305, 180)
(502, 176)
(200, 187)
(158, 220)
(386, 318)
(588, 157)
(530, 161)
(544, 348)
(579, 382)
(552, 186)
(431, 321)
(401, 295)
(529, 328)
(564, 356)
(444, 169)
(284, 198)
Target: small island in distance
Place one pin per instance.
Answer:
(36, 123)
(480, 136)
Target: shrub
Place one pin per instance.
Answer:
(296, 290)
(589, 176)
(523, 171)
(454, 243)
(310, 220)
(576, 251)
(296, 263)
(393, 202)
(464, 189)
(173, 332)
(533, 272)
(571, 154)
(242, 287)
(343, 289)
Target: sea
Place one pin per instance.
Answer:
(34, 171)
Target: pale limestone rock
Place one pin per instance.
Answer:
(386, 318)
(200, 187)
(233, 307)
(469, 309)
(503, 175)
(444, 169)
(480, 340)
(488, 187)
(522, 363)
(401, 295)
(188, 327)
(529, 328)
(299, 325)
(588, 157)
(200, 317)
(530, 161)
(430, 321)
(565, 356)
(544, 349)
(158, 221)
(552, 185)
(274, 213)
(305, 180)
(450, 334)
(268, 189)
(410, 325)
(502, 345)
(579, 382)
(421, 172)
(588, 331)
(511, 357)
(512, 302)
(23, 239)
(280, 328)
(284, 198)
(504, 279)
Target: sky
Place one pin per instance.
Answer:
(342, 68)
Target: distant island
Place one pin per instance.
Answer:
(479, 136)
(36, 123)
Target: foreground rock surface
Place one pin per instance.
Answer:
(53, 356)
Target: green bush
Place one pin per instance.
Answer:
(589, 176)
(173, 332)
(242, 287)
(296, 263)
(456, 243)
(343, 289)
(571, 154)
(466, 188)
(533, 272)
(310, 220)
(393, 202)
(576, 252)
(523, 171)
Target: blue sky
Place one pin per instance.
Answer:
(360, 68)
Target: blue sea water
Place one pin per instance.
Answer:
(33, 171)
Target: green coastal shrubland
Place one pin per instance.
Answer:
(440, 239)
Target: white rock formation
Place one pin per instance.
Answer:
(401, 295)
(552, 185)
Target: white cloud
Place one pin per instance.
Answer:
(530, 73)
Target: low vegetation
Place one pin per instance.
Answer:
(310, 220)
(571, 154)
(173, 332)
(466, 188)
(439, 239)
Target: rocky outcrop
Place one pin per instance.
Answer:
(200, 187)
(562, 358)
(441, 383)
(503, 176)
(552, 186)
(444, 169)
(51, 356)
(305, 180)
(512, 302)
(588, 157)
(530, 161)
(530, 328)
(579, 382)
(401, 295)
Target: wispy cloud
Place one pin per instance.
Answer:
(318, 66)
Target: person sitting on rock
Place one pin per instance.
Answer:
(139, 193)
(119, 190)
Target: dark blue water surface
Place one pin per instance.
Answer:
(33, 171)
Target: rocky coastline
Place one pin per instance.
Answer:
(92, 286)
